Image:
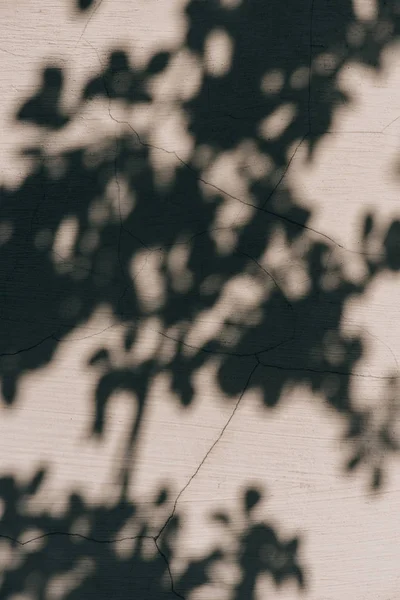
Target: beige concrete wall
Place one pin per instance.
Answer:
(198, 200)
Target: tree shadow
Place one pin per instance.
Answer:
(92, 226)
(91, 551)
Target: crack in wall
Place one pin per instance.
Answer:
(209, 451)
(154, 538)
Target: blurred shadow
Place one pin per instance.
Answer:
(69, 248)
(44, 108)
(114, 552)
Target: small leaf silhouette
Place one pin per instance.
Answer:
(251, 499)
(357, 425)
(105, 388)
(388, 439)
(368, 225)
(162, 497)
(158, 63)
(221, 518)
(129, 339)
(99, 356)
(36, 482)
(299, 576)
(9, 388)
(392, 246)
(355, 461)
(84, 4)
(377, 478)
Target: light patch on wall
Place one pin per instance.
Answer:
(181, 80)
(275, 124)
(120, 199)
(127, 203)
(253, 163)
(245, 293)
(127, 539)
(81, 526)
(164, 167)
(65, 239)
(365, 10)
(225, 240)
(213, 590)
(297, 283)
(169, 346)
(224, 174)
(172, 135)
(33, 539)
(240, 296)
(207, 326)
(227, 572)
(178, 257)
(140, 114)
(290, 273)
(149, 282)
(170, 139)
(147, 341)
(189, 74)
(272, 82)
(231, 212)
(218, 53)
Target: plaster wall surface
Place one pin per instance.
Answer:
(200, 300)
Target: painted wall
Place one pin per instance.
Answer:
(200, 240)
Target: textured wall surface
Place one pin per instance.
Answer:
(200, 299)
